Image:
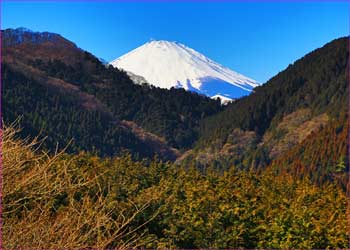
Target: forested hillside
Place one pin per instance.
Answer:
(316, 81)
(46, 111)
(173, 114)
(295, 111)
(67, 93)
(323, 155)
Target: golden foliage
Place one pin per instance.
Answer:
(61, 201)
(83, 201)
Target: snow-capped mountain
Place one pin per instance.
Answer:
(223, 99)
(170, 64)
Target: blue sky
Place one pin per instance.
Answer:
(257, 39)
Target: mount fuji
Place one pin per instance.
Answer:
(167, 64)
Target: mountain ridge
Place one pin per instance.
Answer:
(251, 131)
(155, 118)
(289, 110)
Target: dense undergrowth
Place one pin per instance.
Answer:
(79, 201)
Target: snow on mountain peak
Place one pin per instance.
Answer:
(171, 64)
(223, 99)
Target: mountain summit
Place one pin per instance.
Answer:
(19, 36)
(171, 64)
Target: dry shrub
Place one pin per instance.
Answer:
(49, 201)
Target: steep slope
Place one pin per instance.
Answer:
(322, 155)
(145, 120)
(66, 116)
(281, 114)
(170, 64)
